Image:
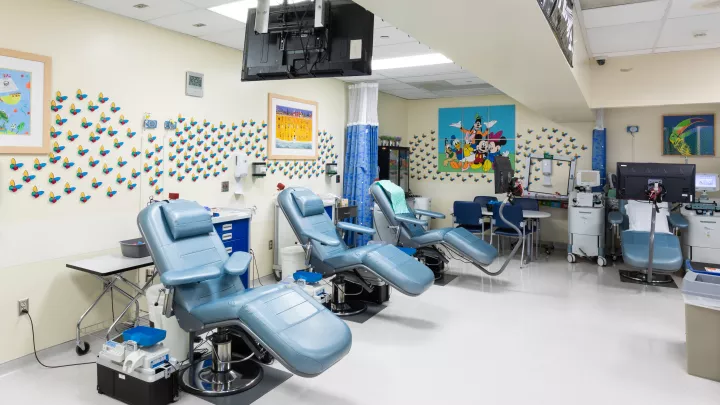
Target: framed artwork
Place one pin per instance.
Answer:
(292, 128)
(25, 83)
(469, 138)
(689, 135)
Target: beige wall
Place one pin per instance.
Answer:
(392, 115)
(648, 142)
(422, 117)
(658, 79)
(141, 68)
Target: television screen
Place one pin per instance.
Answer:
(559, 14)
(677, 179)
(294, 47)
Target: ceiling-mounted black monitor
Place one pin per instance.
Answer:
(559, 14)
(299, 44)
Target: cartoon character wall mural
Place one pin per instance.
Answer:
(470, 138)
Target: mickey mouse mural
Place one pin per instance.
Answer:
(469, 138)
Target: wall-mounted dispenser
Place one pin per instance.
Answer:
(240, 172)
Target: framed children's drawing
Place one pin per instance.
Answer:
(25, 83)
(292, 128)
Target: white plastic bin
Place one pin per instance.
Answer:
(292, 259)
(702, 324)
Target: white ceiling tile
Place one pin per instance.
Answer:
(233, 39)
(625, 14)
(395, 85)
(183, 22)
(679, 31)
(390, 36)
(687, 8)
(421, 70)
(208, 3)
(400, 50)
(467, 92)
(622, 38)
(433, 78)
(465, 81)
(380, 23)
(411, 94)
(687, 48)
(157, 9)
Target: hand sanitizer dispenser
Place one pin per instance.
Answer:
(240, 172)
(547, 172)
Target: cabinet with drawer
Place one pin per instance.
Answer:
(701, 241)
(235, 236)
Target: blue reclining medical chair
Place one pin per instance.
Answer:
(635, 245)
(206, 293)
(326, 252)
(411, 233)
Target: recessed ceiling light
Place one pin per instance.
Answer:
(140, 5)
(198, 25)
(239, 10)
(410, 61)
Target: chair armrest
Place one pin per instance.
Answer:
(615, 217)
(413, 221)
(196, 275)
(346, 226)
(321, 238)
(431, 214)
(678, 221)
(237, 264)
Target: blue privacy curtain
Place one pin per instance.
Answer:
(361, 154)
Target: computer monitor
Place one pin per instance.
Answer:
(587, 178)
(678, 180)
(707, 182)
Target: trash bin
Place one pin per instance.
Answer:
(177, 340)
(292, 259)
(702, 324)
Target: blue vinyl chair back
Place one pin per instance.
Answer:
(484, 200)
(513, 215)
(467, 213)
(181, 237)
(529, 204)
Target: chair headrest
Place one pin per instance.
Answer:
(187, 218)
(308, 203)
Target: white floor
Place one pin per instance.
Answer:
(550, 333)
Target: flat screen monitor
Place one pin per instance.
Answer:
(294, 48)
(677, 179)
(707, 182)
(504, 174)
(587, 178)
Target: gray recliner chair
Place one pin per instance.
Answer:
(411, 233)
(206, 294)
(367, 266)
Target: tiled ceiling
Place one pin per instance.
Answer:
(436, 81)
(192, 17)
(633, 27)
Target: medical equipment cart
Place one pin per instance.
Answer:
(586, 220)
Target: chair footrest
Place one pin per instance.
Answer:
(403, 272)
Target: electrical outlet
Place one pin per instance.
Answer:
(23, 306)
(225, 187)
(270, 244)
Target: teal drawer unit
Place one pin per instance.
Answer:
(235, 236)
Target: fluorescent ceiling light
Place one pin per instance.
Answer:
(410, 61)
(238, 10)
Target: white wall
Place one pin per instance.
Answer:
(648, 142)
(392, 115)
(422, 117)
(672, 78)
(141, 68)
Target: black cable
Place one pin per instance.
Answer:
(255, 267)
(32, 328)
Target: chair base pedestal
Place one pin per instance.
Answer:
(348, 308)
(638, 277)
(201, 380)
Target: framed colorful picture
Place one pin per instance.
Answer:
(25, 83)
(689, 134)
(292, 128)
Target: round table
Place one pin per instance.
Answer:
(533, 216)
